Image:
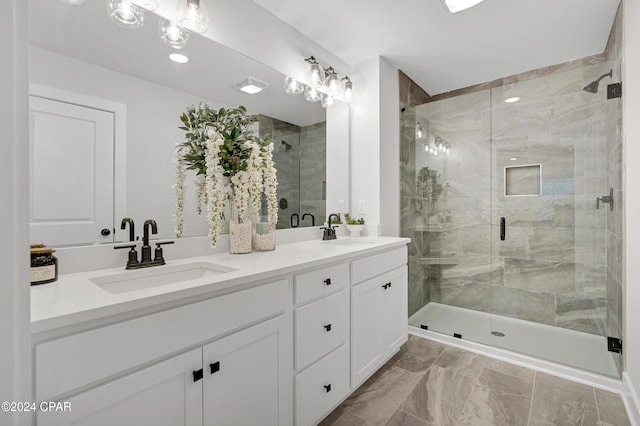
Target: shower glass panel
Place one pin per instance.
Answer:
(549, 290)
(446, 195)
(509, 247)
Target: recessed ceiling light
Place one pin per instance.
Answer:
(512, 100)
(251, 85)
(513, 158)
(455, 6)
(179, 58)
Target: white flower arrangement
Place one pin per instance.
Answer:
(230, 162)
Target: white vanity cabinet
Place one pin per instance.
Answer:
(378, 311)
(321, 323)
(213, 384)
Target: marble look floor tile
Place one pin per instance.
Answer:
(611, 408)
(563, 402)
(400, 418)
(439, 397)
(533, 421)
(340, 417)
(511, 369)
(417, 354)
(463, 362)
(380, 396)
(498, 399)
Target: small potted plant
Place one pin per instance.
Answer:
(354, 225)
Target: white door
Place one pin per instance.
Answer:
(243, 378)
(164, 394)
(394, 310)
(72, 179)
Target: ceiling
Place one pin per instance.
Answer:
(442, 51)
(85, 32)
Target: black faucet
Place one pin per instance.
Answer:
(313, 218)
(145, 261)
(146, 248)
(330, 231)
(132, 227)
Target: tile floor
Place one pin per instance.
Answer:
(431, 384)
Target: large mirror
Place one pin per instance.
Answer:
(105, 107)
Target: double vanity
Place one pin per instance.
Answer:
(271, 338)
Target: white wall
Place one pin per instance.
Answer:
(153, 113)
(631, 149)
(15, 362)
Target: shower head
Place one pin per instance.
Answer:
(286, 146)
(593, 86)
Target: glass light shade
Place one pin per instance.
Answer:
(347, 95)
(328, 102)
(72, 1)
(292, 86)
(311, 94)
(419, 132)
(149, 5)
(316, 75)
(172, 34)
(333, 83)
(192, 15)
(125, 14)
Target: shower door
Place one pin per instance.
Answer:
(552, 157)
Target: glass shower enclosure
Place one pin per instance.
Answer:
(512, 197)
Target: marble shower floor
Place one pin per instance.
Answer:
(569, 347)
(431, 384)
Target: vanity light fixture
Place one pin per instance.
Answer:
(125, 14)
(420, 135)
(149, 5)
(347, 94)
(172, 34)
(192, 15)
(251, 85)
(179, 58)
(512, 99)
(332, 82)
(292, 86)
(327, 102)
(455, 6)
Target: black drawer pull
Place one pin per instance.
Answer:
(386, 286)
(215, 367)
(197, 375)
(327, 327)
(327, 281)
(327, 388)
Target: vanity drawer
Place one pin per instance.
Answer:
(319, 282)
(71, 362)
(321, 327)
(372, 266)
(321, 387)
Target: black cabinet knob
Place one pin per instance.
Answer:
(105, 231)
(215, 367)
(386, 286)
(197, 375)
(327, 327)
(327, 388)
(327, 281)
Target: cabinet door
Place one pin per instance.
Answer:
(378, 322)
(365, 330)
(394, 311)
(246, 378)
(164, 394)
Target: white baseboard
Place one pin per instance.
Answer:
(631, 400)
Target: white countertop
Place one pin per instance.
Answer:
(74, 299)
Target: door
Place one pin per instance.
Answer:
(72, 179)
(164, 394)
(244, 377)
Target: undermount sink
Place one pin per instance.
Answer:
(158, 276)
(352, 242)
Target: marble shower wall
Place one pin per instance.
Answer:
(554, 265)
(313, 172)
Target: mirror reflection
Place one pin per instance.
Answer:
(105, 110)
